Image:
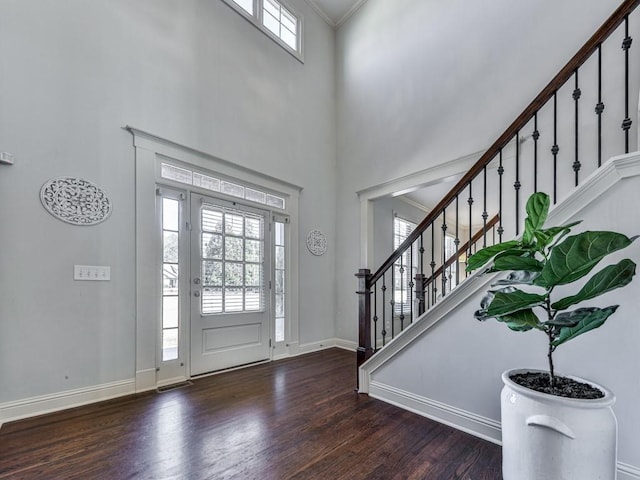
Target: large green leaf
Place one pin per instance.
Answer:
(537, 210)
(607, 279)
(511, 300)
(481, 257)
(546, 236)
(587, 319)
(511, 262)
(520, 321)
(576, 256)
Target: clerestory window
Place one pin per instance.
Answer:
(275, 19)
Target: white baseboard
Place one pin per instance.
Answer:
(324, 344)
(31, 407)
(145, 380)
(628, 472)
(457, 418)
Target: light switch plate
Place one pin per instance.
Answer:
(91, 273)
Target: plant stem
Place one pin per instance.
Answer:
(552, 377)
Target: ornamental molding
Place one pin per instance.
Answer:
(75, 201)
(316, 242)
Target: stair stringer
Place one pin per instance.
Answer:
(415, 368)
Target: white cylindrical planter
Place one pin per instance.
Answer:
(545, 437)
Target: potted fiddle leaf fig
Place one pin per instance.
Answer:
(554, 426)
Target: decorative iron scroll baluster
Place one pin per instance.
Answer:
(444, 251)
(500, 173)
(517, 183)
(535, 135)
(457, 242)
(392, 302)
(599, 105)
(485, 215)
(384, 309)
(375, 318)
(433, 265)
(470, 202)
(576, 98)
(421, 253)
(411, 284)
(555, 149)
(402, 292)
(626, 45)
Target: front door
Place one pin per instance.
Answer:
(229, 302)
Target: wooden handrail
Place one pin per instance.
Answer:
(607, 28)
(463, 249)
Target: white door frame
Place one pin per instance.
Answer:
(150, 152)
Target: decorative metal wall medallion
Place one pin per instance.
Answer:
(316, 242)
(75, 201)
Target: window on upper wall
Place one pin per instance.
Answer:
(275, 19)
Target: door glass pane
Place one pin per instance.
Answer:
(170, 246)
(233, 275)
(253, 299)
(212, 300)
(169, 344)
(211, 245)
(253, 227)
(252, 275)
(169, 279)
(170, 312)
(211, 220)
(233, 299)
(252, 252)
(233, 224)
(212, 273)
(233, 249)
(170, 214)
(279, 257)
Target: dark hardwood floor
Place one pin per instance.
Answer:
(293, 419)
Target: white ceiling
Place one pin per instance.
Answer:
(336, 12)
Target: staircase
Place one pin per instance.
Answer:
(572, 141)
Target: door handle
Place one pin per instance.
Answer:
(196, 281)
(196, 293)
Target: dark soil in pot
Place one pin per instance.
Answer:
(564, 387)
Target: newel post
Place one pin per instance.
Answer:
(364, 316)
(419, 279)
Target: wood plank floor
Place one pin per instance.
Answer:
(293, 419)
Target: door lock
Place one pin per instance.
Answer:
(196, 281)
(196, 294)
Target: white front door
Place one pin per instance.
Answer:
(230, 261)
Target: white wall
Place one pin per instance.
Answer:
(422, 82)
(73, 72)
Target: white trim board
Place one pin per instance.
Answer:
(40, 405)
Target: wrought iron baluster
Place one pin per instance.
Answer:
(411, 284)
(444, 251)
(555, 149)
(433, 265)
(470, 202)
(402, 291)
(392, 302)
(517, 183)
(457, 241)
(384, 309)
(375, 317)
(500, 173)
(535, 135)
(485, 215)
(599, 105)
(576, 97)
(626, 45)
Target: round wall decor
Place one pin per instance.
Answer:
(75, 201)
(316, 242)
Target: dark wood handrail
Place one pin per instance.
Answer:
(607, 28)
(463, 249)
